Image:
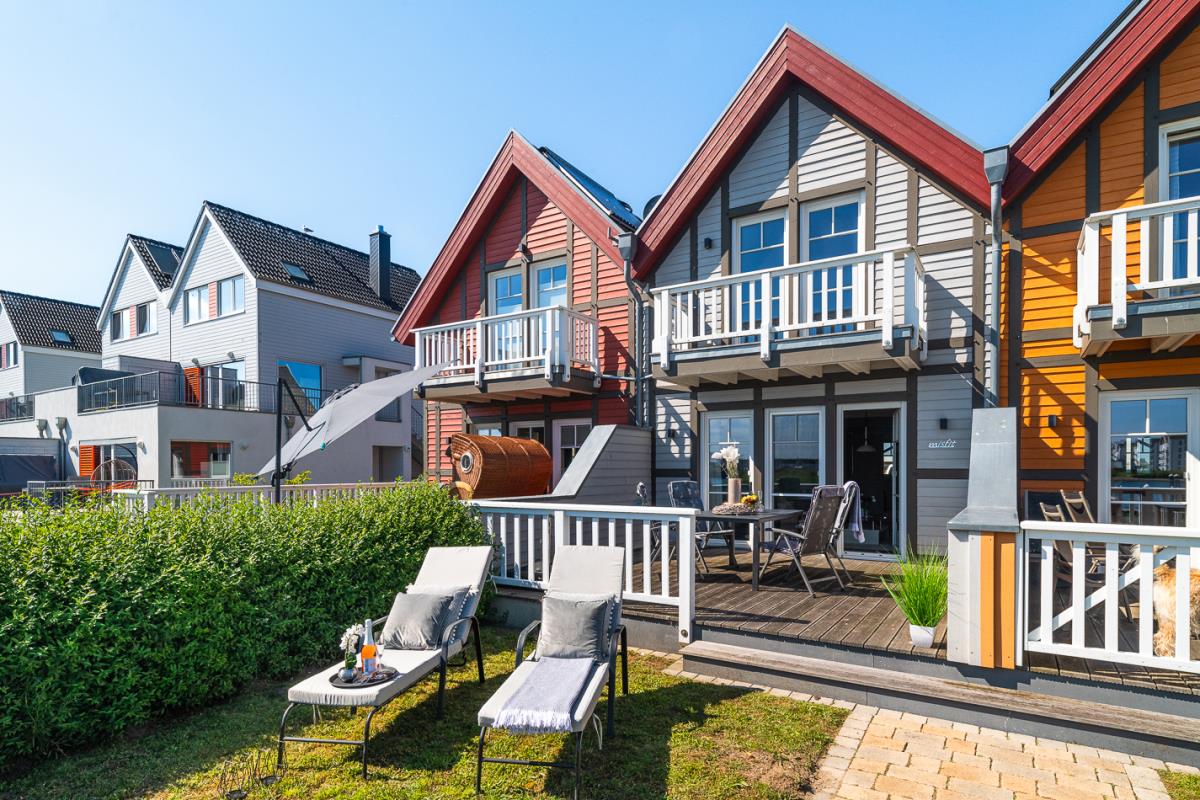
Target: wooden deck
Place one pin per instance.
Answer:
(865, 617)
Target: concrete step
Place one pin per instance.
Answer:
(1152, 733)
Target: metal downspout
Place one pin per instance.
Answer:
(995, 167)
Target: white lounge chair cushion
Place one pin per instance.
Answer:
(413, 665)
(583, 709)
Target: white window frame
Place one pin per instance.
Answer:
(12, 354)
(901, 407)
(221, 313)
(504, 273)
(1104, 500)
(706, 461)
(151, 317)
(483, 428)
(122, 326)
(756, 219)
(556, 441)
(514, 426)
(1166, 133)
(537, 269)
(858, 297)
(202, 308)
(768, 490)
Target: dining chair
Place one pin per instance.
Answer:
(686, 494)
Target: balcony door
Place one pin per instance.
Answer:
(796, 456)
(505, 338)
(719, 430)
(1148, 458)
(1180, 149)
(832, 227)
(869, 438)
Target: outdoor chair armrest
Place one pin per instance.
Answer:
(521, 637)
(614, 644)
(379, 623)
(788, 532)
(449, 633)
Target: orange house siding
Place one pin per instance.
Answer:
(1177, 82)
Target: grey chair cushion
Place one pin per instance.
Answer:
(416, 621)
(459, 593)
(574, 628)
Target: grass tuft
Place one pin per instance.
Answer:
(1181, 786)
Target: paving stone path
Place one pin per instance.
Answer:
(888, 755)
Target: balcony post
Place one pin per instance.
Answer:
(1118, 276)
(594, 335)
(662, 325)
(480, 349)
(765, 309)
(550, 346)
(1088, 282)
(888, 312)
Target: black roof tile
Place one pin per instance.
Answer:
(335, 271)
(160, 258)
(615, 207)
(34, 317)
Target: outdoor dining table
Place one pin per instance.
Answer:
(758, 521)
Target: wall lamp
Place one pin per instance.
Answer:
(1052, 420)
(707, 243)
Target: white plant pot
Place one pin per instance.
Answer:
(921, 635)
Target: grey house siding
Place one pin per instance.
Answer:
(48, 370)
(12, 380)
(314, 332)
(761, 174)
(608, 468)
(909, 208)
(133, 288)
(212, 340)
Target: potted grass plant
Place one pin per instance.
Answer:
(920, 590)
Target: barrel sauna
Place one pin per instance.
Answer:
(499, 466)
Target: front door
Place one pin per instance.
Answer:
(870, 439)
(1148, 456)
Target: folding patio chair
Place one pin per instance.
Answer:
(686, 494)
(578, 571)
(443, 567)
(1095, 559)
(819, 533)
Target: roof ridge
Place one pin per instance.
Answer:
(281, 226)
(149, 240)
(28, 296)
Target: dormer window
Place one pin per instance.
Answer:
(61, 337)
(296, 271)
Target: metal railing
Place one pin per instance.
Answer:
(1110, 592)
(876, 290)
(1158, 241)
(203, 391)
(659, 557)
(538, 341)
(14, 409)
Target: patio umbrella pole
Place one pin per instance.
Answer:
(277, 475)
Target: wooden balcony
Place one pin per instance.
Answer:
(858, 312)
(1139, 277)
(542, 352)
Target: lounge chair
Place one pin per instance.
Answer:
(822, 527)
(577, 571)
(443, 567)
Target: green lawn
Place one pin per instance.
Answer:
(1181, 786)
(675, 738)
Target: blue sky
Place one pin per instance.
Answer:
(122, 116)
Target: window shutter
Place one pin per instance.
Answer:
(193, 388)
(132, 321)
(212, 300)
(87, 460)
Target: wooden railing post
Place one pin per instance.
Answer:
(1118, 278)
(888, 311)
(765, 309)
(686, 564)
(480, 350)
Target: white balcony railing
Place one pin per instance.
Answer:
(877, 291)
(1159, 240)
(539, 341)
(1123, 590)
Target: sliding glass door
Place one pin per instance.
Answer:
(796, 456)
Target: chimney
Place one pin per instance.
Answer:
(380, 269)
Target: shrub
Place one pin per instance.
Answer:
(920, 589)
(110, 616)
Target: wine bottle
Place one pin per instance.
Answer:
(369, 651)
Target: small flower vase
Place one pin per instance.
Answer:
(346, 673)
(735, 490)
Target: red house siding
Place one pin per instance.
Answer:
(547, 232)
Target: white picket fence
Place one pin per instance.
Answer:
(307, 492)
(659, 540)
(1110, 567)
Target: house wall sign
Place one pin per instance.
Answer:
(943, 444)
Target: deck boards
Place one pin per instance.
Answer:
(865, 617)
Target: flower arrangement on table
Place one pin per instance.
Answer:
(730, 457)
(352, 639)
(746, 504)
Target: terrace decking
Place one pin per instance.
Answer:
(864, 617)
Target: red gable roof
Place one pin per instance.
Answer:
(1088, 91)
(946, 156)
(516, 158)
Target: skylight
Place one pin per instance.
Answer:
(61, 337)
(296, 271)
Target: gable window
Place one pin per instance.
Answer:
(231, 295)
(147, 319)
(760, 239)
(551, 286)
(1183, 180)
(61, 337)
(832, 227)
(195, 307)
(10, 356)
(507, 292)
(118, 327)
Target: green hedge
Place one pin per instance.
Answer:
(109, 617)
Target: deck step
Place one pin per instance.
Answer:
(703, 657)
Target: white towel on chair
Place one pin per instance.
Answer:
(545, 701)
(854, 518)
